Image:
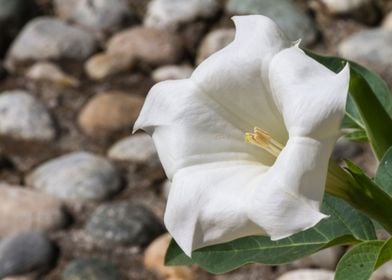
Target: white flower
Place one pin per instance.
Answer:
(288, 108)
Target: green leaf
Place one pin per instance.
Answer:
(384, 172)
(369, 105)
(360, 262)
(366, 196)
(378, 122)
(345, 226)
(352, 118)
(377, 85)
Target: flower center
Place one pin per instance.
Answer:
(263, 139)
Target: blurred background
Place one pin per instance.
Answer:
(80, 198)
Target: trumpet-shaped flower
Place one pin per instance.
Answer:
(247, 139)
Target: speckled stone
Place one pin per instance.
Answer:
(23, 117)
(123, 223)
(90, 269)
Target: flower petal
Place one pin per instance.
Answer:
(189, 128)
(207, 203)
(219, 202)
(290, 194)
(236, 77)
(311, 98)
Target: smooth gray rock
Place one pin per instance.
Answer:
(24, 118)
(124, 223)
(98, 15)
(371, 48)
(90, 269)
(170, 14)
(293, 21)
(50, 38)
(137, 148)
(25, 253)
(76, 176)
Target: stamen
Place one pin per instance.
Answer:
(263, 139)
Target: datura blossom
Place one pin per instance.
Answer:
(246, 140)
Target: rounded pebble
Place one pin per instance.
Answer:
(46, 71)
(103, 65)
(123, 223)
(90, 269)
(109, 112)
(98, 15)
(137, 148)
(148, 45)
(23, 117)
(170, 14)
(172, 72)
(154, 260)
(49, 38)
(22, 209)
(76, 176)
(26, 252)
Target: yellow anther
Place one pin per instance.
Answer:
(263, 139)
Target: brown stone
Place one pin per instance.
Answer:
(103, 65)
(110, 112)
(149, 45)
(22, 209)
(154, 257)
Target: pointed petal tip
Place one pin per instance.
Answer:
(318, 217)
(345, 71)
(248, 25)
(246, 21)
(182, 235)
(137, 126)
